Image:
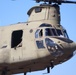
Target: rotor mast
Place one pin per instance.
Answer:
(47, 12)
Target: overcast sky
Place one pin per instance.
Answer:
(14, 11)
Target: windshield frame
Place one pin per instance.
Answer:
(53, 33)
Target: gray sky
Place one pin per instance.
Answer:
(16, 11)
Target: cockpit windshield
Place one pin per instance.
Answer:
(50, 31)
(59, 32)
(65, 34)
(55, 32)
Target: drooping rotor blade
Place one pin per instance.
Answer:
(74, 2)
(47, 0)
(56, 1)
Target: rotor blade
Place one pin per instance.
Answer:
(74, 2)
(56, 1)
(37, 1)
(48, 0)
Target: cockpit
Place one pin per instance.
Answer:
(48, 30)
(43, 40)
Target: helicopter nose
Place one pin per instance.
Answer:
(69, 48)
(73, 47)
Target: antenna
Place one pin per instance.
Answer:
(56, 1)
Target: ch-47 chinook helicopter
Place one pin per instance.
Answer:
(39, 43)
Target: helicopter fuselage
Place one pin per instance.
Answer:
(37, 44)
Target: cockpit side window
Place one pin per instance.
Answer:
(39, 33)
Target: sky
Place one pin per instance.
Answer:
(14, 11)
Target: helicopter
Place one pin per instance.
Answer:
(49, 42)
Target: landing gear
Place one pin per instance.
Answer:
(52, 65)
(4, 71)
(25, 73)
(48, 69)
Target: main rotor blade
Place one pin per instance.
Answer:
(74, 2)
(48, 0)
(56, 1)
